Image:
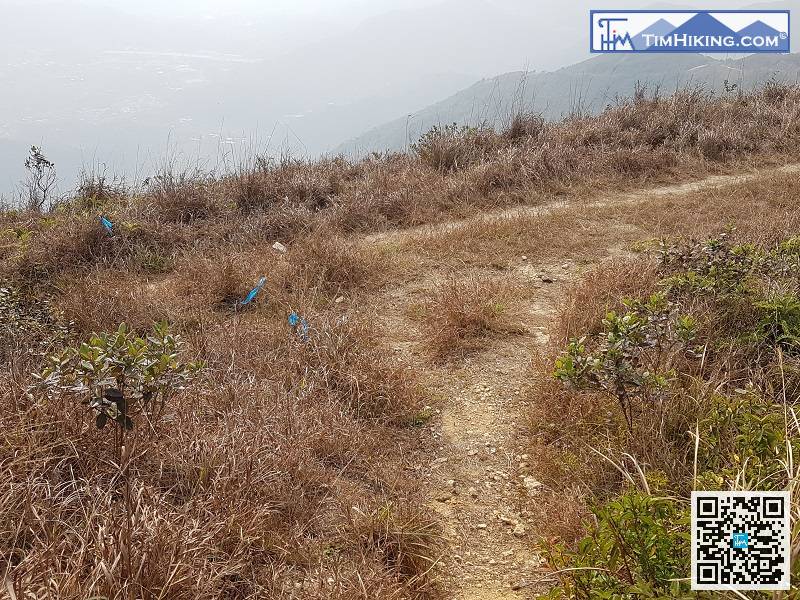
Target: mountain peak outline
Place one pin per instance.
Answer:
(758, 28)
(704, 24)
(661, 27)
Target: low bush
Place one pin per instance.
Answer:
(180, 197)
(700, 376)
(451, 148)
(461, 315)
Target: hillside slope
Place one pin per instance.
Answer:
(358, 426)
(586, 87)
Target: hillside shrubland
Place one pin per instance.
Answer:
(672, 371)
(158, 439)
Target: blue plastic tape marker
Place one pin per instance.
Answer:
(107, 224)
(303, 330)
(300, 325)
(254, 292)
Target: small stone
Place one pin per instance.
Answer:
(524, 257)
(473, 492)
(546, 279)
(279, 247)
(531, 485)
(339, 300)
(519, 530)
(481, 526)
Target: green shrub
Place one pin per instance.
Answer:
(790, 246)
(779, 323)
(28, 324)
(637, 547)
(717, 266)
(631, 359)
(749, 323)
(120, 375)
(742, 435)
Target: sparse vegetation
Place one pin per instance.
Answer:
(40, 182)
(289, 465)
(706, 403)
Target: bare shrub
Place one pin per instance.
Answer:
(524, 126)
(450, 148)
(41, 180)
(180, 197)
(96, 191)
(266, 184)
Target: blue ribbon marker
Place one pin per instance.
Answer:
(107, 224)
(300, 325)
(303, 330)
(254, 292)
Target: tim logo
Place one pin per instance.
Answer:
(727, 31)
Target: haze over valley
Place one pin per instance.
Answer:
(119, 89)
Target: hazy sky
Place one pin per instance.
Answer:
(371, 7)
(249, 8)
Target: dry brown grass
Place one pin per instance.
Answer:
(762, 211)
(282, 471)
(334, 265)
(265, 184)
(569, 428)
(565, 424)
(247, 487)
(598, 292)
(502, 241)
(640, 141)
(463, 314)
(180, 197)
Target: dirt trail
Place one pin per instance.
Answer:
(630, 197)
(478, 483)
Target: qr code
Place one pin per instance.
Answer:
(740, 540)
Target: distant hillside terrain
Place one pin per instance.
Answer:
(586, 87)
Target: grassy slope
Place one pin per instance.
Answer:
(289, 468)
(588, 87)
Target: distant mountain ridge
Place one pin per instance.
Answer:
(586, 87)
